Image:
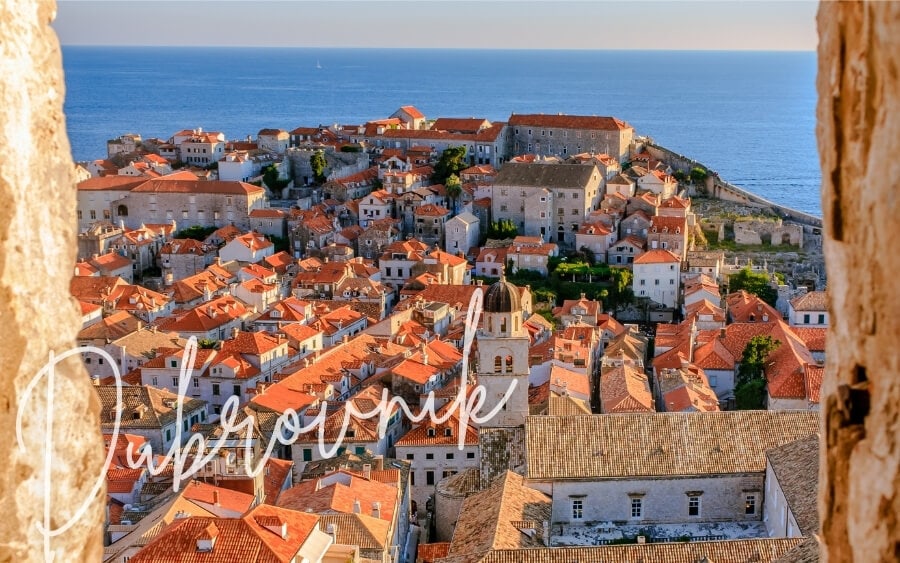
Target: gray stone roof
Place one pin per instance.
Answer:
(545, 175)
(731, 551)
(796, 467)
(655, 445)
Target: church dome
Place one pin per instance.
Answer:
(502, 297)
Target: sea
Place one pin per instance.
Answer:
(749, 116)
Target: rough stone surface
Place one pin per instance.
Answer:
(37, 316)
(859, 139)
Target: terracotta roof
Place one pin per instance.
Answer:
(813, 337)
(113, 327)
(267, 214)
(686, 389)
(713, 355)
(625, 388)
(813, 377)
(494, 519)
(427, 433)
(361, 530)
(812, 301)
(413, 112)
(207, 316)
(460, 124)
(166, 184)
(213, 498)
(562, 121)
(338, 492)
(657, 256)
(142, 406)
(660, 222)
(431, 552)
(431, 210)
(796, 467)
(745, 307)
(252, 537)
(661, 444)
(276, 473)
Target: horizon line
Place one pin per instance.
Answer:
(420, 48)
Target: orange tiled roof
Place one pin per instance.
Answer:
(249, 538)
(657, 256)
(562, 121)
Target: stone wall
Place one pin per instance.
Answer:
(37, 228)
(770, 232)
(858, 130)
(720, 189)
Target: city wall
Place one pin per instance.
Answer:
(720, 189)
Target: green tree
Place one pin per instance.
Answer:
(502, 229)
(620, 293)
(679, 175)
(207, 343)
(318, 163)
(196, 233)
(698, 175)
(454, 189)
(271, 178)
(756, 283)
(452, 161)
(750, 384)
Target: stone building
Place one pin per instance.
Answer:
(461, 233)
(682, 468)
(564, 135)
(177, 197)
(546, 200)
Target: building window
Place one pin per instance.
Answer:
(750, 505)
(430, 432)
(636, 507)
(470, 455)
(410, 456)
(359, 450)
(307, 454)
(694, 505)
(429, 456)
(450, 456)
(429, 477)
(196, 382)
(498, 364)
(236, 390)
(821, 319)
(577, 509)
(215, 388)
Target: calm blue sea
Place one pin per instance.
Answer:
(749, 116)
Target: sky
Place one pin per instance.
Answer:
(520, 24)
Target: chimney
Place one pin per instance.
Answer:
(546, 527)
(331, 530)
(216, 497)
(376, 510)
(367, 470)
(357, 508)
(722, 333)
(235, 331)
(345, 339)
(379, 462)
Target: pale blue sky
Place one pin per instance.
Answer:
(723, 25)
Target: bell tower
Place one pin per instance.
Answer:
(503, 355)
